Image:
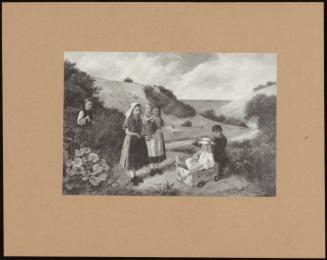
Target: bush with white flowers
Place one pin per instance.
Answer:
(85, 167)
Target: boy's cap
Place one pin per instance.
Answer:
(217, 128)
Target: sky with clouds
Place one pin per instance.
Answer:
(189, 75)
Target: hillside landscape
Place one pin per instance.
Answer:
(120, 95)
(92, 154)
(236, 108)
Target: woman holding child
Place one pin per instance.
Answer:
(153, 130)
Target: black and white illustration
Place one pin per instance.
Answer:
(169, 124)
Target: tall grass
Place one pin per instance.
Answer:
(256, 159)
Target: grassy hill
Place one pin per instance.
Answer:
(236, 108)
(121, 94)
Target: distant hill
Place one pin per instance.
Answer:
(204, 105)
(268, 84)
(236, 108)
(121, 94)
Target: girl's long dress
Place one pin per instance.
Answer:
(156, 145)
(134, 154)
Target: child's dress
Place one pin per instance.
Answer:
(156, 143)
(149, 127)
(134, 153)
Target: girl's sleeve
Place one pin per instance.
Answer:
(80, 118)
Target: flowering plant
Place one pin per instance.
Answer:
(85, 167)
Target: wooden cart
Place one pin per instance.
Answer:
(200, 178)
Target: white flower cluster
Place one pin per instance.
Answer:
(88, 166)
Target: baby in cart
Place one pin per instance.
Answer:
(202, 159)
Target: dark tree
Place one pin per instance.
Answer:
(128, 79)
(78, 86)
(263, 108)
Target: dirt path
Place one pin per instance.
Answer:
(186, 142)
(231, 186)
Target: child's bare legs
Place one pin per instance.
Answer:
(134, 178)
(157, 168)
(152, 169)
(132, 173)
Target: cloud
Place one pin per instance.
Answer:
(189, 75)
(227, 76)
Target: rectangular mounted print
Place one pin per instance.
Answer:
(170, 124)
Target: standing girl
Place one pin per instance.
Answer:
(134, 153)
(156, 144)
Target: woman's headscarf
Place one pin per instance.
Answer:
(129, 112)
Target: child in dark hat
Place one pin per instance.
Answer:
(219, 143)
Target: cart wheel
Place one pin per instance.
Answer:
(200, 184)
(216, 178)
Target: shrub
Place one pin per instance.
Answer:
(179, 109)
(78, 86)
(256, 161)
(263, 108)
(235, 121)
(108, 133)
(221, 118)
(155, 98)
(167, 92)
(268, 84)
(184, 110)
(187, 123)
(167, 101)
(128, 79)
(105, 136)
(242, 124)
(210, 114)
(84, 171)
